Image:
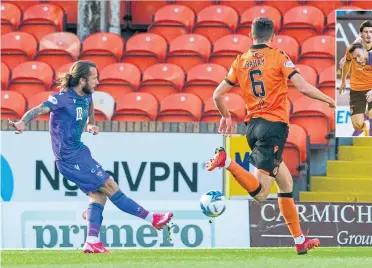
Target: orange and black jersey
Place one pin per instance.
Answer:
(361, 76)
(262, 73)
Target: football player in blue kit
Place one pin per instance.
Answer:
(70, 110)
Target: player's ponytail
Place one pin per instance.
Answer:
(80, 69)
(64, 80)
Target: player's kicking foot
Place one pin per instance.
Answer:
(366, 128)
(95, 248)
(161, 219)
(218, 161)
(307, 245)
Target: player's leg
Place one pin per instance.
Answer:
(289, 211)
(126, 204)
(358, 104)
(263, 138)
(266, 182)
(88, 175)
(94, 217)
(360, 124)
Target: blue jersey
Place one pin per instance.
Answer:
(370, 57)
(69, 114)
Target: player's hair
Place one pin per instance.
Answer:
(80, 69)
(355, 46)
(366, 23)
(262, 29)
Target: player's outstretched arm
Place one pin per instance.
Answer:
(345, 72)
(225, 123)
(91, 126)
(29, 116)
(312, 92)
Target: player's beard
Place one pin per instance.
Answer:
(87, 90)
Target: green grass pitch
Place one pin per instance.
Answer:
(216, 258)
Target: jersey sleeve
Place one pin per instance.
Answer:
(231, 77)
(348, 55)
(56, 101)
(287, 67)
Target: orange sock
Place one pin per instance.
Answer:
(288, 209)
(246, 179)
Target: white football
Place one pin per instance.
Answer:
(212, 203)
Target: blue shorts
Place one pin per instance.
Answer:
(85, 172)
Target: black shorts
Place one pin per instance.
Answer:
(358, 102)
(266, 140)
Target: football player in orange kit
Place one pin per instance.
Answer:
(262, 73)
(360, 81)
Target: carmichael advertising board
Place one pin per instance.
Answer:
(335, 224)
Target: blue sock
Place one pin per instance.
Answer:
(127, 205)
(94, 217)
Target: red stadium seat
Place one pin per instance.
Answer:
(228, 47)
(203, 79)
(329, 29)
(58, 49)
(42, 19)
(318, 52)
(188, 51)
(5, 76)
(103, 49)
(250, 14)
(326, 7)
(302, 22)
(70, 8)
(327, 81)
(180, 107)
(196, 6)
(162, 80)
(119, 79)
(145, 50)
(142, 12)
(36, 100)
(22, 5)
(13, 105)
(64, 68)
(234, 103)
(288, 44)
(31, 77)
(172, 21)
(295, 150)
(282, 6)
(10, 17)
(136, 107)
(17, 47)
(362, 4)
(239, 6)
(216, 21)
(104, 105)
(308, 113)
(309, 74)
